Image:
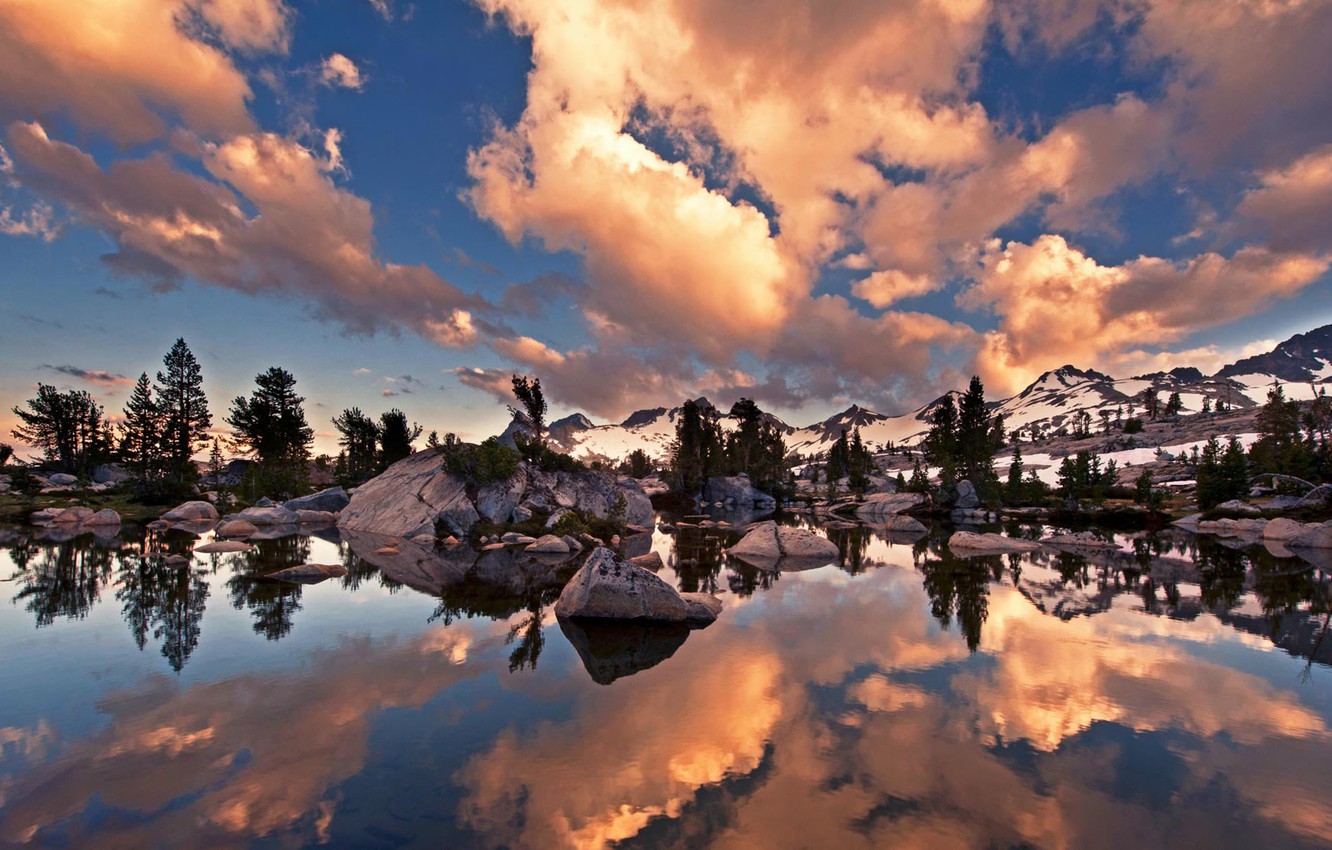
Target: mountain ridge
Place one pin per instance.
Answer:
(1054, 401)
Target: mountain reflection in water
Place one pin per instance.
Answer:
(1171, 692)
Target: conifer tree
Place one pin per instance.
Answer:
(395, 437)
(183, 407)
(271, 422)
(358, 435)
(141, 434)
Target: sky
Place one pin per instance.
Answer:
(806, 202)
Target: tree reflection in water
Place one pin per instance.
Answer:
(271, 602)
(61, 579)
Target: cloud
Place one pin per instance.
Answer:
(338, 71)
(306, 238)
(1055, 303)
(99, 377)
(125, 69)
(1291, 207)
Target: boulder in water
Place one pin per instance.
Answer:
(607, 587)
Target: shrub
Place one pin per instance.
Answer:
(484, 464)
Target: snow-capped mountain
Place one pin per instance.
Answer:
(1054, 401)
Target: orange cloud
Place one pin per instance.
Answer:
(114, 67)
(1105, 310)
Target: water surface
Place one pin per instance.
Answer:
(1173, 692)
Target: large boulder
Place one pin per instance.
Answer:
(333, 499)
(409, 498)
(737, 491)
(1314, 537)
(110, 473)
(897, 523)
(62, 479)
(1233, 527)
(549, 544)
(606, 587)
(191, 512)
(967, 497)
(971, 543)
(237, 528)
(1283, 529)
(767, 542)
(887, 504)
(274, 515)
(104, 517)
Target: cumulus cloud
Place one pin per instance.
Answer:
(306, 238)
(1292, 206)
(338, 71)
(1055, 303)
(123, 68)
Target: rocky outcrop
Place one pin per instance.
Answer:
(886, 504)
(971, 543)
(737, 491)
(416, 493)
(409, 498)
(767, 543)
(333, 499)
(609, 588)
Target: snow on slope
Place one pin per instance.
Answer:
(1051, 403)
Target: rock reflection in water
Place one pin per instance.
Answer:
(613, 650)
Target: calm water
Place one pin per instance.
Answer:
(1175, 693)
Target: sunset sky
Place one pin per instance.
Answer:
(809, 203)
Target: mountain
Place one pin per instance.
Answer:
(1052, 402)
(562, 434)
(1302, 359)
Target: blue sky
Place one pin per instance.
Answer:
(404, 204)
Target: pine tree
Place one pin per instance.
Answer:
(1013, 489)
(696, 450)
(533, 412)
(271, 422)
(216, 463)
(181, 402)
(941, 444)
(358, 435)
(395, 437)
(141, 434)
(68, 427)
(1174, 405)
(1280, 446)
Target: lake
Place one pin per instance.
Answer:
(1173, 692)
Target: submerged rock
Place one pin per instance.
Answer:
(221, 546)
(972, 543)
(309, 573)
(1081, 540)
